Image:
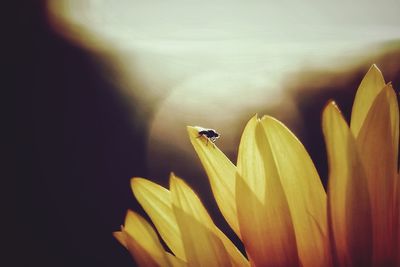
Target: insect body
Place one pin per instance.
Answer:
(210, 134)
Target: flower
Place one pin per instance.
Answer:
(273, 198)
(363, 191)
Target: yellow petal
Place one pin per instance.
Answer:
(263, 212)
(375, 143)
(145, 259)
(397, 217)
(237, 258)
(348, 196)
(369, 88)
(156, 201)
(120, 236)
(142, 242)
(221, 173)
(140, 255)
(175, 262)
(202, 246)
(394, 119)
(304, 192)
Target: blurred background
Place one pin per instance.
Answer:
(105, 89)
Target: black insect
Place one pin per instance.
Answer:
(210, 134)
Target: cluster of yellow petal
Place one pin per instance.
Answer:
(363, 189)
(274, 201)
(182, 222)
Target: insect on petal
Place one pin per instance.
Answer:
(221, 173)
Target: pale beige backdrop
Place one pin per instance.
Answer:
(216, 63)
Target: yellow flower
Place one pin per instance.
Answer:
(364, 188)
(274, 201)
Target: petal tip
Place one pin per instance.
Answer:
(130, 213)
(136, 180)
(120, 237)
(254, 118)
(137, 183)
(176, 182)
(173, 180)
(374, 66)
(331, 105)
(374, 70)
(192, 131)
(266, 117)
(269, 120)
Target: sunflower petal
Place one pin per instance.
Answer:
(141, 256)
(142, 242)
(221, 173)
(120, 236)
(263, 212)
(348, 197)
(156, 201)
(397, 217)
(394, 119)
(376, 146)
(202, 246)
(303, 189)
(369, 88)
(237, 258)
(175, 261)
